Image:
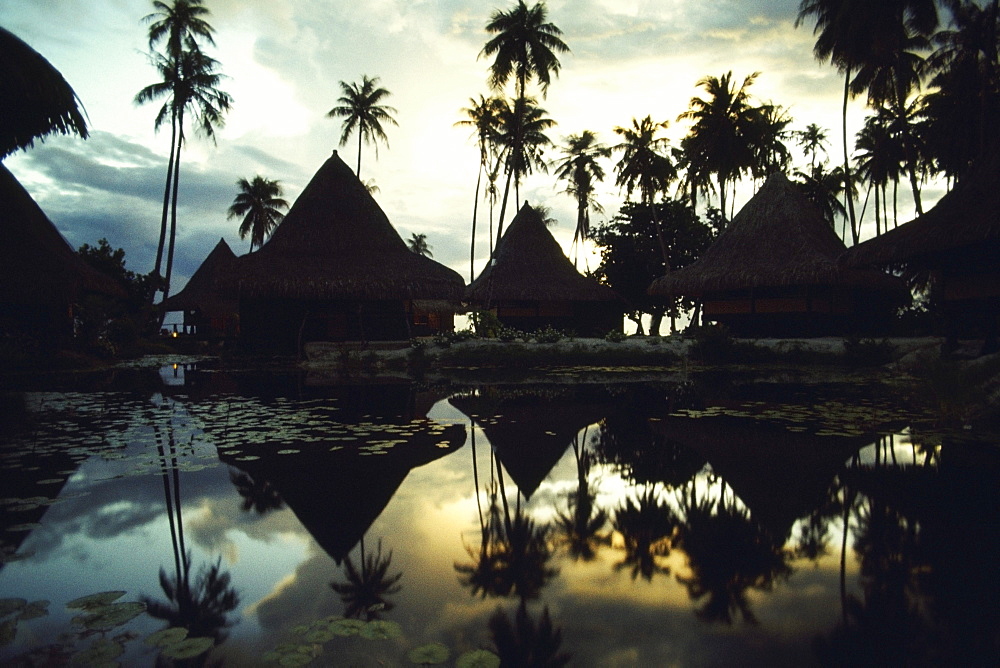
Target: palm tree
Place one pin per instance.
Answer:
(34, 111)
(880, 154)
(365, 593)
(813, 141)
(188, 84)
(417, 243)
(481, 115)
(524, 47)
(581, 171)
(363, 112)
(181, 24)
(259, 202)
(643, 166)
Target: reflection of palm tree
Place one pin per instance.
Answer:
(200, 608)
(364, 593)
(258, 494)
(646, 527)
(727, 554)
(580, 526)
(525, 643)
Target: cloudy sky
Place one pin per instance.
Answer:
(284, 59)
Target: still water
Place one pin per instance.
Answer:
(272, 518)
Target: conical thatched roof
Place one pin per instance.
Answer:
(202, 291)
(778, 239)
(38, 264)
(530, 265)
(967, 216)
(37, 101)
(336, 243)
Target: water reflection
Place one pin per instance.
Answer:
(635, 523)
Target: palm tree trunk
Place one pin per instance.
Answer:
(847, 160)
(503, 209)
(475, 210)
(359, 154)
(173, 212)
(911, 160)
(166, 196)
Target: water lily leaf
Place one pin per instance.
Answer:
(431, 653)
(346, 627)
(167, 636)
(108, 617)
(320, 635)
(101, 652)
(381, 630)
(95, 600)
(34, 610)
(188, 648)
(478, 658)
(295, 659)
(9, 605)
(8, 630)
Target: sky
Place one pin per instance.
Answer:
(284, 59)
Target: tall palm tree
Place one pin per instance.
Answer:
(879, 156)
(645, 167)
(524, 46)
(813, 141)
(481, 115)
(366, 592)
(189, 85)
(581, 171)
(181, 24)
(259, 202)
(363, 112)
(417, 243)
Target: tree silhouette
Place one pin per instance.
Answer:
(202, 607)
(259, 202)
(647, 526)
(360, 105)
(525, 643)
(580, 527)
(581, 172)
(481, 115)
(365, 593)
(258, 494)
(417, 243)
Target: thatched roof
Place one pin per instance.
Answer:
(530, 265)
(202, 291)
(336, 243)
(966, 216)
(38, 264)
(778, 239)
(37, 101)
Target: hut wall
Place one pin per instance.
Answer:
(49, 325)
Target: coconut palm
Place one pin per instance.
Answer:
(181, 24)
(581, 171)
(823, 187)
(417, 243)
(645, 167)
(481, 115)
(365, 593)
(259, 202)
(580, 528)
(646, 526)
(524, 46)
(190, 85)
(363, 112)
(813, 141)
(879, 156)
(29, 112)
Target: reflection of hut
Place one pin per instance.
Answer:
(530, 432)
(774, 272)
(209, 312)
(530, 284)
(42, 277)
(958, 243)
(335, 270)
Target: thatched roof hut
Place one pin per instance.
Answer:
(335, 269)
(37, 100)
(42, 276)
(775, 264)
(336, 243)
(531, 283)
(204, 302)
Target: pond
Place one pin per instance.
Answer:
(206, 515)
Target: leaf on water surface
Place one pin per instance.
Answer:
(167, 636)
(429, 654)
(9, 605)
(23, 527)
(188, 648)
(34, 610)
(101, 652)
(108, 617)
(247, 458)
(8, 630)
(380, 629)
(50, 481)
(289, 451)
(478, 658)
(320, 635)
(346, 627)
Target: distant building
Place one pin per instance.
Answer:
(530, 284)
(336, 270)
(773, 272)
(210, 312)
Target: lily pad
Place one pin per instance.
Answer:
(9, 605)
(429, 654)
(167, 636)
(188, 648)
(8, 630)
(381, 630)
(478, 658)
(34, 610)
(347, 627)
(94, 600)
(101, 652)
(108, 617)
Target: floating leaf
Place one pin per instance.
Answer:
(188, 648)
(167, 636)
(108, 617)
(101, 652)
(431, 653)
(95, 600)
(347, 627)
(9, 605)
(8, 630)
(320, 635)
(381, 630)
(478, 658)
(34, 610)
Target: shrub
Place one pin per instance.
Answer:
(615, 336)
(868, 352)
(548, 335)
(508, 334)
(712, 343)
(485, 323)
